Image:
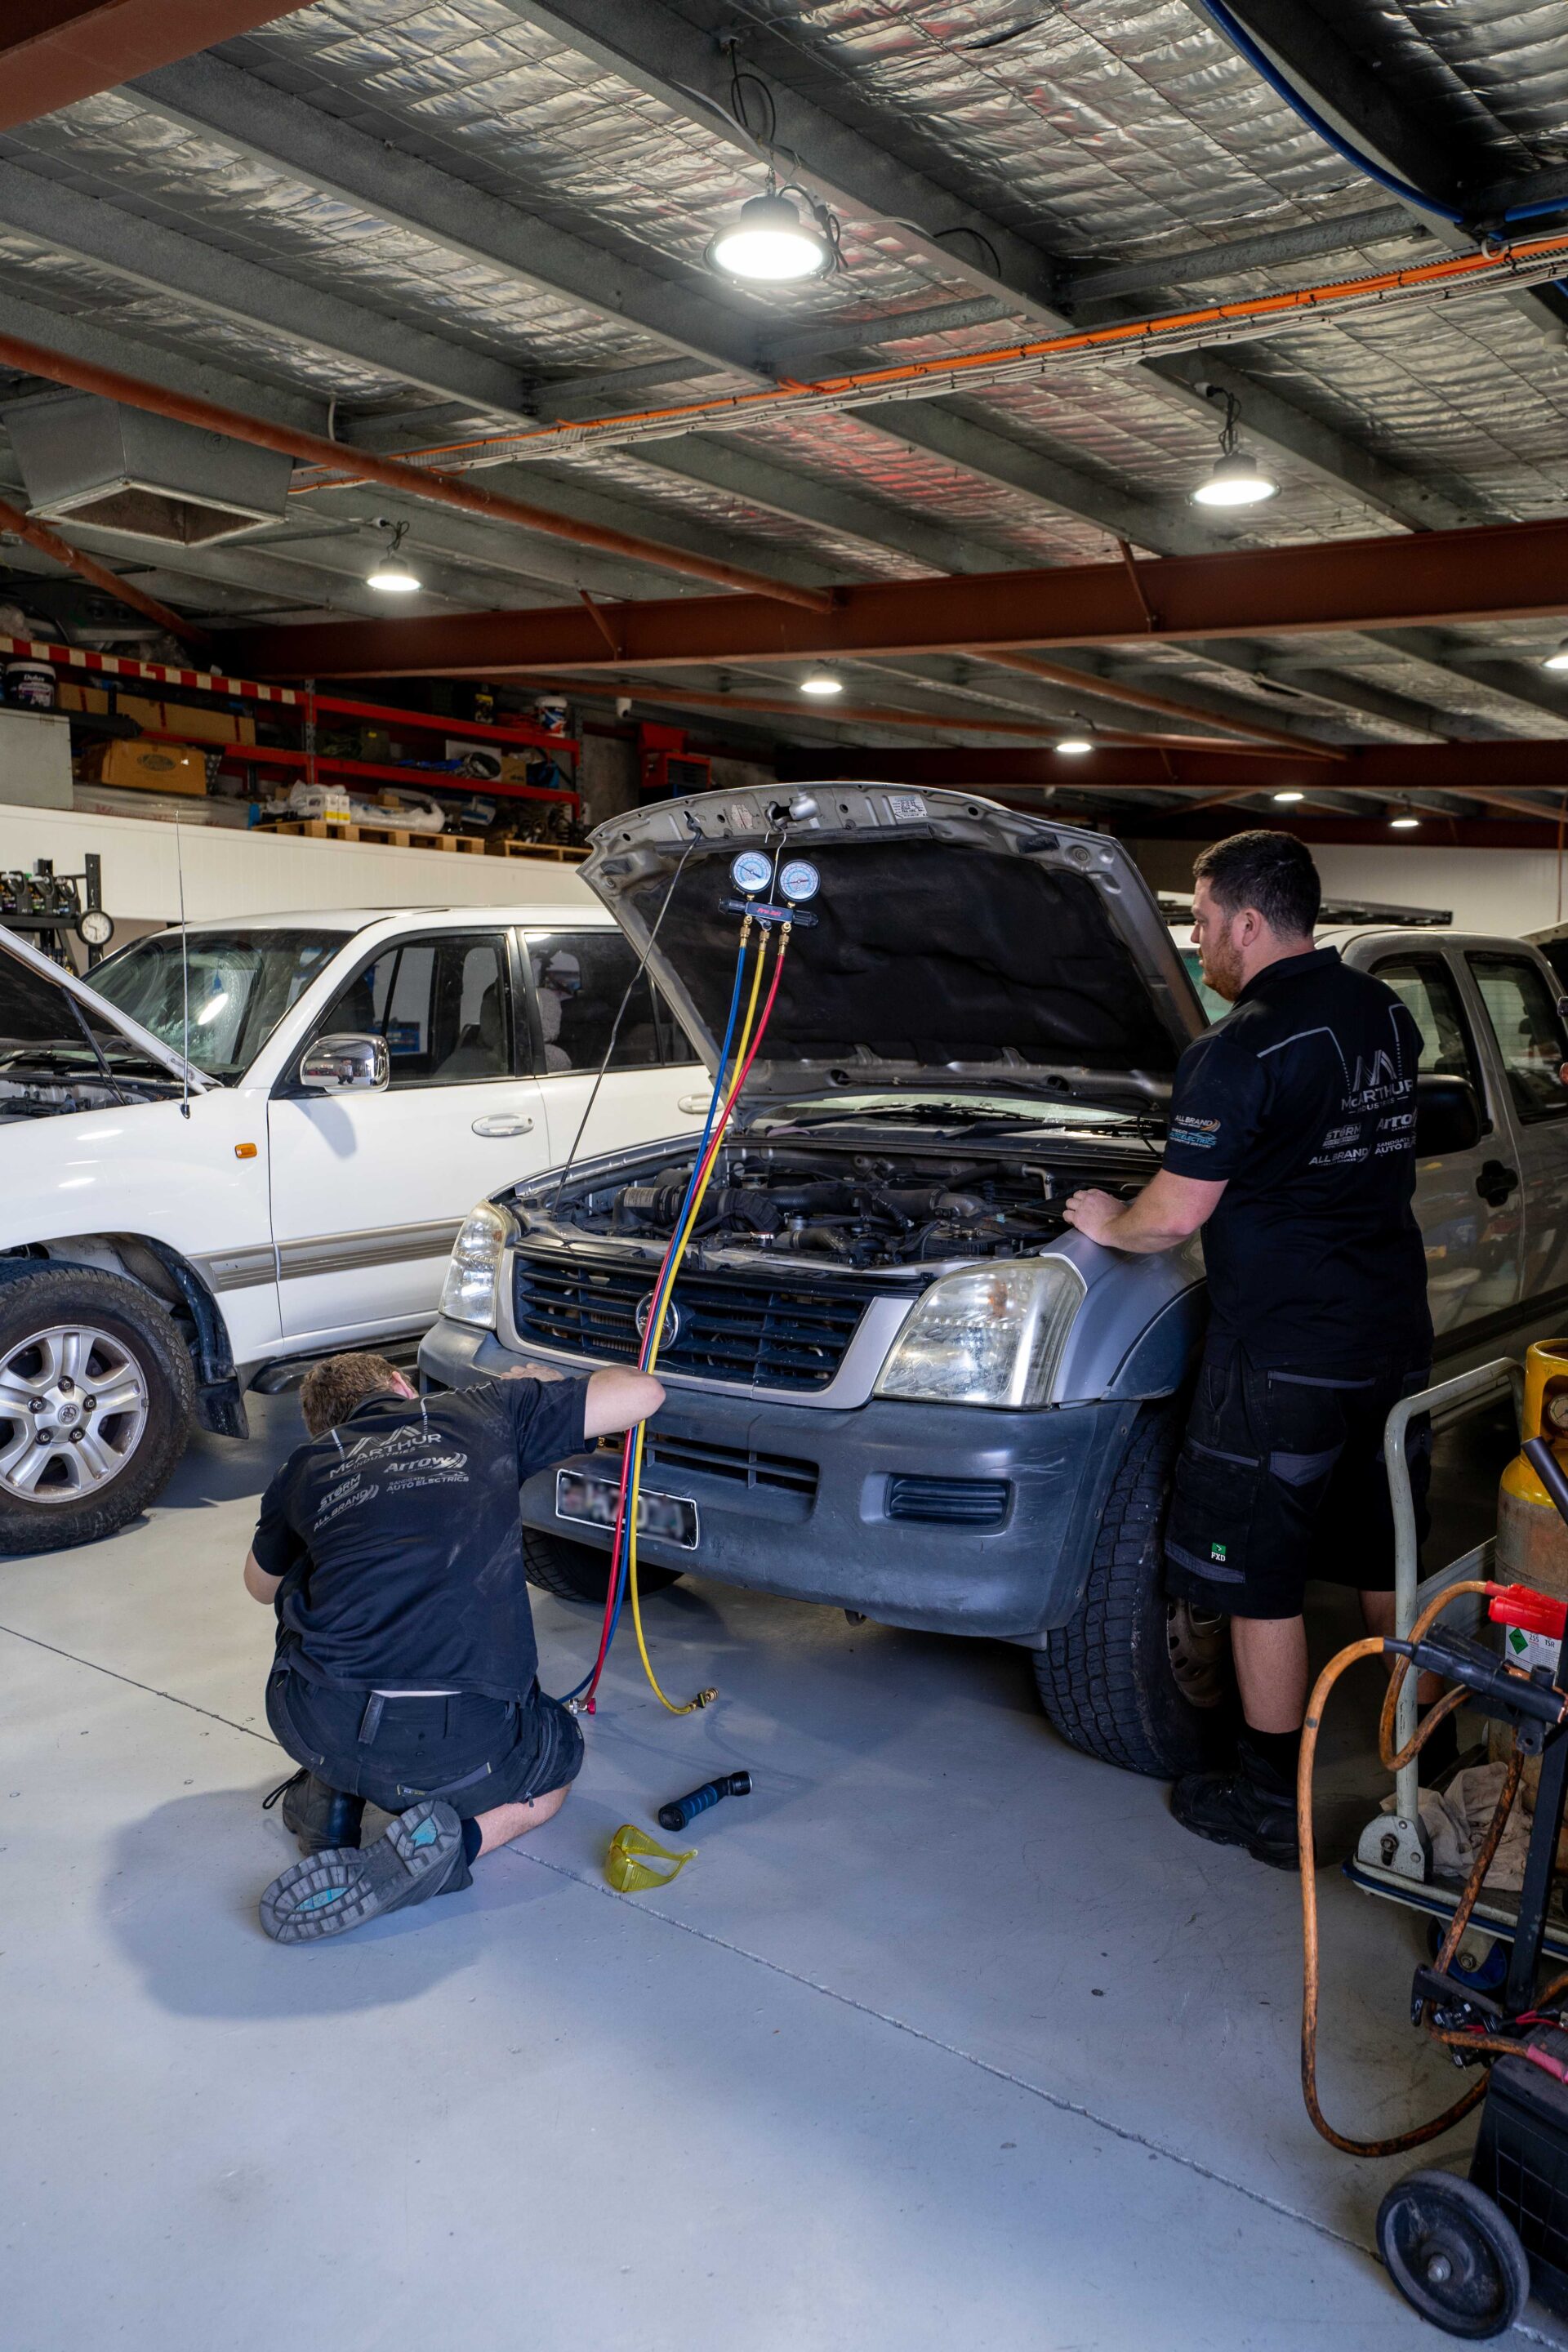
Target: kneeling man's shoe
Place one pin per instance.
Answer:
(320, 1818)
(421, 1855)
(1249, 1805)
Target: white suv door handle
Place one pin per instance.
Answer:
(503, 1122)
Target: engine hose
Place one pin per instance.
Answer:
(1481, 2045)
(584, 1691)
(656, 1318)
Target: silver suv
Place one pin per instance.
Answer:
(898, 1383)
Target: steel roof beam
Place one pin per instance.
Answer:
(1516, 571)
(445, 212)
(1097, 281)
(53, 52)
(1530, 691)
(81, 337)
(1373, 771)
(242, 292)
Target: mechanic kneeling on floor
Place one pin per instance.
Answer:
(406, 1669)
(1292, 1144)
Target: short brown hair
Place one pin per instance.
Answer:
(1272, 871)
(331, 1390)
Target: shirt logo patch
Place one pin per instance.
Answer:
(1217, 1551)
(1196, 1134)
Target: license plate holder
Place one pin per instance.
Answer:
(591, 1502)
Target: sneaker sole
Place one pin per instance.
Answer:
(331, 1892)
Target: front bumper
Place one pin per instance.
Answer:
(795, 1501)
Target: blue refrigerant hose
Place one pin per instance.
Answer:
(1236, 32)
(618, 1565)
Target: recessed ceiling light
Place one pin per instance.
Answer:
(1073, 747)
(1235, 481)
(769, 244)
(392, 575)
(821, 682)
(1557, 660)
(1290, 796)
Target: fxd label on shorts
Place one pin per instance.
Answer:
(1217, 1552)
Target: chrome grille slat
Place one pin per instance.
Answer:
(750, 1334)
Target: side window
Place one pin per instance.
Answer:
(1427, 987)
(442, 1004)
(579, 980)
(1521, 1009)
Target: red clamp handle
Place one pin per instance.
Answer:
(1531, 1612)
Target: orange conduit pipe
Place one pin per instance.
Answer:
(48, 542)
(392, 474)
(870, 384)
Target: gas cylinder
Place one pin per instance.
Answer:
(1531, 1539)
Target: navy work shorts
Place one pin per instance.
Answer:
(1281, 1477)
(473, 1752)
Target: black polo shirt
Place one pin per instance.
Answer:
(1302, 1100)
(399, 1542)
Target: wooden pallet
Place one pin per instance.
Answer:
(395, 837)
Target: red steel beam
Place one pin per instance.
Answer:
(415, 481)
(1475, 770)
(52, 51)
(1506, 571)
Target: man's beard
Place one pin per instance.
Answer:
(1221, 967)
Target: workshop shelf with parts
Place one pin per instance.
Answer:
(621, 625)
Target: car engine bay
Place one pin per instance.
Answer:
(858, 1209)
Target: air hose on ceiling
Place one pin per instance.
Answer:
(1237, 33)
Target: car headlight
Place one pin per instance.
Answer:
(992, 1335)
(468, 1292)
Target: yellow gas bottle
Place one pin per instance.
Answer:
(1531, 1539)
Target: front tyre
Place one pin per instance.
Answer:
(1135, 1678)
(97, 1397)
(575, 1571)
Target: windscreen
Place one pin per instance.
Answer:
(42, 1022)
(234, 986)
(929, 953)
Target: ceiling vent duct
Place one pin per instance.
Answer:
(87, 460)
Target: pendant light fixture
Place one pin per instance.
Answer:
(1290, 796)
(1234, 480)
(822, 683)
(1073, 747)
(1557, 660)
(392, 575)
(770, 244)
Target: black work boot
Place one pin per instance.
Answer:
(322, 1819)
(1249, 1805)
(419, 1854)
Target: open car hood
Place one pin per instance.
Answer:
(32, 1009)
(951, 940)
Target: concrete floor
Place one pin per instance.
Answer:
(1035, 2081)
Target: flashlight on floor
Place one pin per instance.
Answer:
(684, 1809)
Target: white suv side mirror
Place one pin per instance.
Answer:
(345, 1064)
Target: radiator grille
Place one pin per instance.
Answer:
(950, 1502)
(768, 1335)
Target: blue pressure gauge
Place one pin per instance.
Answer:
(751, 871)
(800, 880)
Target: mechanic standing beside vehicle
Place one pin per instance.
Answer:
(406, 1668)
(1292, 1145)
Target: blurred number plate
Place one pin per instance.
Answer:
(671, 1518)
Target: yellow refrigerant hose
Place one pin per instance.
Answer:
(744, 1050)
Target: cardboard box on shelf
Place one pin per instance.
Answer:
(205, 726)
(71, 697)
(146, 714)
(146, 767)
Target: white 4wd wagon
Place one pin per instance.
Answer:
(176, 1226)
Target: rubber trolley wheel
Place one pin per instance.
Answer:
(575, 1571)
(97, 1396)
(1135, 1678)
(1453, 2254)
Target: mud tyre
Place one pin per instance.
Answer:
(580, 1572)
(1134, 1678)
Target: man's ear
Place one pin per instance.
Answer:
(403, 1389)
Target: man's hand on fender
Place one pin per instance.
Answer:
(1094, 1213)
(531, 1373)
